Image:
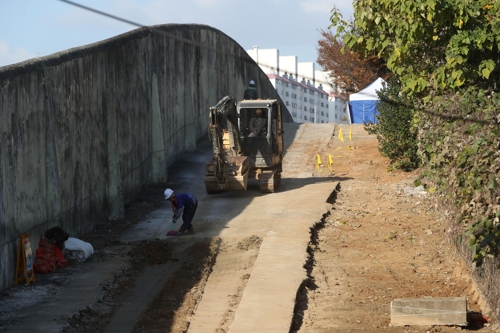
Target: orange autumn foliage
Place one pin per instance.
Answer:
(349, 72)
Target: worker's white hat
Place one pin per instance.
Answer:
(168, 193)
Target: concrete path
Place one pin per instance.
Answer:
(282, 220)
(222, 289)
(269, 297)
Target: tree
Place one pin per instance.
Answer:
(445, 53)
(393, 129)
(349, 72)
(429, 44)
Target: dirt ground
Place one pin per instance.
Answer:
(380, 241)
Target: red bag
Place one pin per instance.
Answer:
(61, 261)
(46, 256)
(45, 250)
(44, 244)
(45, 260)
(42, 266)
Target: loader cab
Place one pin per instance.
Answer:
(271, 112)
(265, 151)
(246, 116)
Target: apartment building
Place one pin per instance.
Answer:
(305, 102)
(301, 88)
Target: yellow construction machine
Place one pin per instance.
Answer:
(237, 154)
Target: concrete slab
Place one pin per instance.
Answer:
(429, 311)
(269, 297)
(222, 287)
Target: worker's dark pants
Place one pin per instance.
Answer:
(188, 215)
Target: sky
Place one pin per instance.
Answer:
(36, 28)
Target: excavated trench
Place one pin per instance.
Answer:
(153, 264)
(309, 284)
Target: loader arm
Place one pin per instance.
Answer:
(227, 170)
(221, 115)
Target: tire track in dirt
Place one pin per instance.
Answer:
(225, 286)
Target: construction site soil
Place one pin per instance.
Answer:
(381, 240)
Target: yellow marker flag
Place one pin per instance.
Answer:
(318, 163)
(341, 137)
(350, 133)
(330, 161)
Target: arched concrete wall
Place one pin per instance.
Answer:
(84, 130)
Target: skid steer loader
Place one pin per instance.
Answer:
(237, 156)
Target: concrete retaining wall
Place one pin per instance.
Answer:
(84, 130)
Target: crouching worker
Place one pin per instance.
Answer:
(185, 205)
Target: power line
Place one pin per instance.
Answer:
(318, 90)
(204, 46)
(181, 39)
(102, 13)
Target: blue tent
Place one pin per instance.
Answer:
(363, 104)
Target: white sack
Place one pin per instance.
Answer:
(78, 249)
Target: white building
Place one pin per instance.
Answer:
(305, 102)
(339, 108)
(301, 88)
(338, 104)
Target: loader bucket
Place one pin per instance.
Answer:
(235, 175)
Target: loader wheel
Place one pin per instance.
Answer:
(277, 181)
(269, 182)
(214, 191)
